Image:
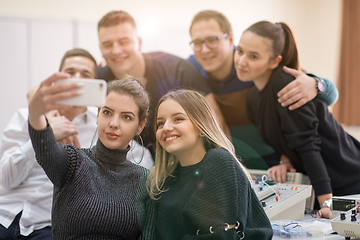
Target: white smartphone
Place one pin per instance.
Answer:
(94, 92)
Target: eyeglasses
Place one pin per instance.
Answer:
(210, 42)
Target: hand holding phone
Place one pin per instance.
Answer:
(93, 92)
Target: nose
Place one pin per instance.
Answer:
(114, 123)
(168, 126)
(241, 60)
(116, 48)
(205, 48)
(77, 75)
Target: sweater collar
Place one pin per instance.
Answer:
(109, 156)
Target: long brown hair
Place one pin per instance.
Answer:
(283, 41)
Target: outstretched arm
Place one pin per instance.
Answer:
(303, 89)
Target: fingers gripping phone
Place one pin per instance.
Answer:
(93, 92)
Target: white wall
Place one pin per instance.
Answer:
(34, 34)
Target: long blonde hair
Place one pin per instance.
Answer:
(201, 116)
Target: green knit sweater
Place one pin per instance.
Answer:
(211, 193)
(98, 194)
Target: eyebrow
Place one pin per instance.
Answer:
(109, 41)
(173, 115)
(84, 70)
(126, 112)
(108, 108)
(238, 47)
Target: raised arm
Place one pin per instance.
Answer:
(49, 153)
(303, 89)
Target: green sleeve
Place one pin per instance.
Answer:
(331, 93)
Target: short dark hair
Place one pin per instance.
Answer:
(114, 18)
(78, 52)
(220, 18)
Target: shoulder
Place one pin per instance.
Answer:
(105, 73)
(221, 168)
(221, 159)
(279, 79)
(194, 62)
(19, 121)
(168, 60)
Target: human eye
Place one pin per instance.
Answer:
(106, 112)
(179, 119)
(71, 72)
(107, 45)
(211, 40)
(197, 43)
(125, 42)
(159, 124)
(239, 50)
(127, 117)
(253, 56)
(86, 76)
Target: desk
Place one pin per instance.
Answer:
(309, 219)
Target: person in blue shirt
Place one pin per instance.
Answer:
(213, 45)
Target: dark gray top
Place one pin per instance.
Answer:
(95, 190)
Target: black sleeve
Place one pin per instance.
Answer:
(300, 128)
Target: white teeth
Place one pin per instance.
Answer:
(170, 138)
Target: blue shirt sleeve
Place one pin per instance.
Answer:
(331, 93)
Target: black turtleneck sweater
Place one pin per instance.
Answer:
(98, 194)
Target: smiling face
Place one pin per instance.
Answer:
(118, 123)
(121, 47)
(217, 61)
(253, 60)
(177, 134)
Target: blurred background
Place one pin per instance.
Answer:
(34, 34)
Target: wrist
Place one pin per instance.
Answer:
(320, 85)
(326, 204)
(283, 161)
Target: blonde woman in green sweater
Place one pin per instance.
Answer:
(200, 188)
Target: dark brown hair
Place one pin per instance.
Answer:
(283, 41)
(78, 52)
(134, 88)
(205, 15)
(114, 18)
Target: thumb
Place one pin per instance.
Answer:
(291, 71)
(52, 113)
(292, 170)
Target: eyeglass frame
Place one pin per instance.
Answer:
(225, 35)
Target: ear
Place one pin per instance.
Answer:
(97, 118)
(141, 127)
(275, 62)
(231, 39)
(140, 42)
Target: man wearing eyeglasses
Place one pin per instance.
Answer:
(213, 45)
